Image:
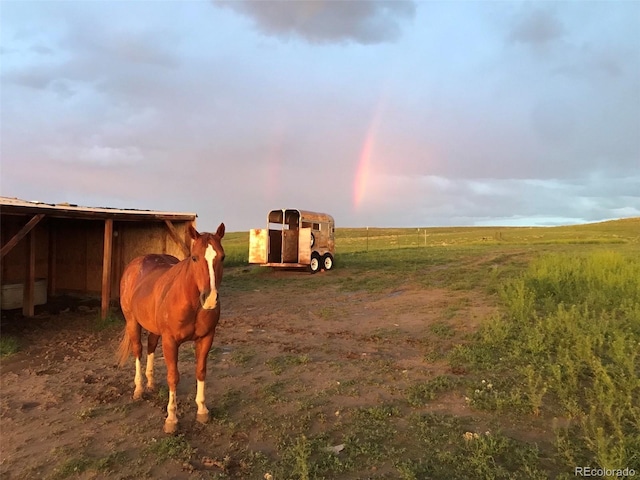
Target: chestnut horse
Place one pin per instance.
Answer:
(178, 301)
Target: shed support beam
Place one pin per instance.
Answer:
(28, 299)
(176, 238)
(21, 234)
(106, 268)
(51, 263)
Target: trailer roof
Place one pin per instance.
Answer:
(306, 214)
(16, 206)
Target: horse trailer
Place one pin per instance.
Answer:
(294, 239)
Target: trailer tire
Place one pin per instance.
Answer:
(327, 261)
(313, 240)
(314, 266)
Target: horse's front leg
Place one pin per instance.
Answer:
(202, 347)
(170, 350)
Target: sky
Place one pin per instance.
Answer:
(380, 113)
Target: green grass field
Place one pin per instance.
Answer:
(356, 240)
(564, 347)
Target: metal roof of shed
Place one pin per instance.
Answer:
(17, 206)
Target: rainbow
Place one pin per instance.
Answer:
(361, 183)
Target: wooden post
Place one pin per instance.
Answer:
(106, 267)
(367, 239)
(51, 261)
(28, 298)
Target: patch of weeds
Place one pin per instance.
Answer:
(312, 402)
(162, 394)
(383, 335)
(242, 357)
(498, 397)
(111, 321)
(419, 394)
(124, 408)
(255, 461)
(72, 467)
(175, 448)
(213, 354)
(468, 280)
(349, 388)
(476, 357)
(432, 429)
(187, 352)
(304, 457)
(450, 311)
(569, 337)
(434, 355)
(280, 363)
(108, 463)
(221, 408)
(274, 392)
(491, 455)
(282, 428)
(368, 436)
(458, 453)
(8, 345)
(301, 451)
(442, 329)
(325, 313)
(87, 413)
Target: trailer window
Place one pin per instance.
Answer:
(312, 226)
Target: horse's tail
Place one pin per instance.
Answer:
(124, 349)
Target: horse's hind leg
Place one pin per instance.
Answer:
(134, 329)
(152, 343)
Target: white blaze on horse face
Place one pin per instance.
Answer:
(212, 300)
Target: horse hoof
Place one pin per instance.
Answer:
(202, 417)
(170, 427)
(137, 395)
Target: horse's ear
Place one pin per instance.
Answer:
(193, 233)
(220, 231)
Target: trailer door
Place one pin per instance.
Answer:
(258, 243)
(304, 246)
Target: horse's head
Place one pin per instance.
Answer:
(206, 260)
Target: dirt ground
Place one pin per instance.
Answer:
(66, 405)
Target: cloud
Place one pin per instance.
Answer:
(321, 21)
(99, 155)
(185, 108)
(439, 200)
(539, 27)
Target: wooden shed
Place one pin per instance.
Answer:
(67, 249)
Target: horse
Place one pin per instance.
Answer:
(178, 301)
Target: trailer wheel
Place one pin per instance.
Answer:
(314, 266)
(313, 240)
(327, 261)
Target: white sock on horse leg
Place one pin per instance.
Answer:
(137, 393)
(203, 413)
(149, 371)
